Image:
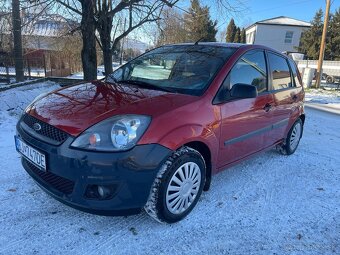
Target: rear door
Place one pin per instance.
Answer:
(286, 94)
(245, 122)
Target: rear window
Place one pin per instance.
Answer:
(281, 78)
(295, 72)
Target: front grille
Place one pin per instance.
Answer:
(46, 130)
(59, 183)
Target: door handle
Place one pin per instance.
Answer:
(267, 107)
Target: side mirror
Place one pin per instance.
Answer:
(241, 90)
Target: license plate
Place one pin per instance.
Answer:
(36, 157)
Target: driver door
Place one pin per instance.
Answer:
(245, 123)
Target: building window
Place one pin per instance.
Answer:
(289, 37)
(250, 37)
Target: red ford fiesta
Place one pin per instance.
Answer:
(152, 134)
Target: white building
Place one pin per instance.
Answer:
(281, 33)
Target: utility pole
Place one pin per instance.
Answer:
(323, 44)
(18, 57)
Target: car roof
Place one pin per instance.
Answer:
(217, 44)
(228, 45)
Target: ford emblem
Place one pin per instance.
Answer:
(36, 126)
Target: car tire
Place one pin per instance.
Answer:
(292, 140)
(330, 79)
(177, 187)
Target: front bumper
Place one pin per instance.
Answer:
(71, 171)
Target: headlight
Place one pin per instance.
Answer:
(114, 134)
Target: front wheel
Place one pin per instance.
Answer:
(177, 187)
(293, 138)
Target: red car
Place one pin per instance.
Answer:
(154, 132)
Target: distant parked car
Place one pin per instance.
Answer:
(152, 137)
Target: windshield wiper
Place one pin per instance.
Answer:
(146, 85)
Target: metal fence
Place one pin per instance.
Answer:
(46, 65)
(328, 67)
(33, 68)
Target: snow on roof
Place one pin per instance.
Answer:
(282, 20)
(49, 25)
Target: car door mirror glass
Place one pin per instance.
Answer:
(241, 90)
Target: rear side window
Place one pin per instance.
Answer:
(281, 78)
(294, 72)
(250, 69)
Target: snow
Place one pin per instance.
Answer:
(282, 20)
(323, 96)
(323, 99)
(14, 101)
(270, 204)
(35, 72)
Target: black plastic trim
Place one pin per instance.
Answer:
(257, 132)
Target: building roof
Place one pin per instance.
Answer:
(48, 25)
(282, 21)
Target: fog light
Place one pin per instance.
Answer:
(103, 191)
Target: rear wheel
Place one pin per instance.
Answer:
(177, 187)
(293, 138)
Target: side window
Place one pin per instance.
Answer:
(281, 78)
(250, 69)
(294, 72)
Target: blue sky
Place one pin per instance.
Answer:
(255, 10)
(298, 9)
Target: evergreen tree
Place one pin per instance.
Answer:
(238, 35)
(311, 39)
(231, 31)
(333, 37)
(243, 36)
(198, 23)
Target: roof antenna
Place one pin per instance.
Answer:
(196, 43)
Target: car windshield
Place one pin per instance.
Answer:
(187, 69)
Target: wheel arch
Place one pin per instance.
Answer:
(204, 150)
(303, 118)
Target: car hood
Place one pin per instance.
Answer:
(74, 109)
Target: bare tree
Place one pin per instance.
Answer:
(88, 28)
(171, 27)
(135, 13)
(18, 57)
(107, 18)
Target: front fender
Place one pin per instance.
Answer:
(192, 133)
(186, 134)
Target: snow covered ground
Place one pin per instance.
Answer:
(325, 99)
(35, 72)
(323, 96)
(271, 204)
